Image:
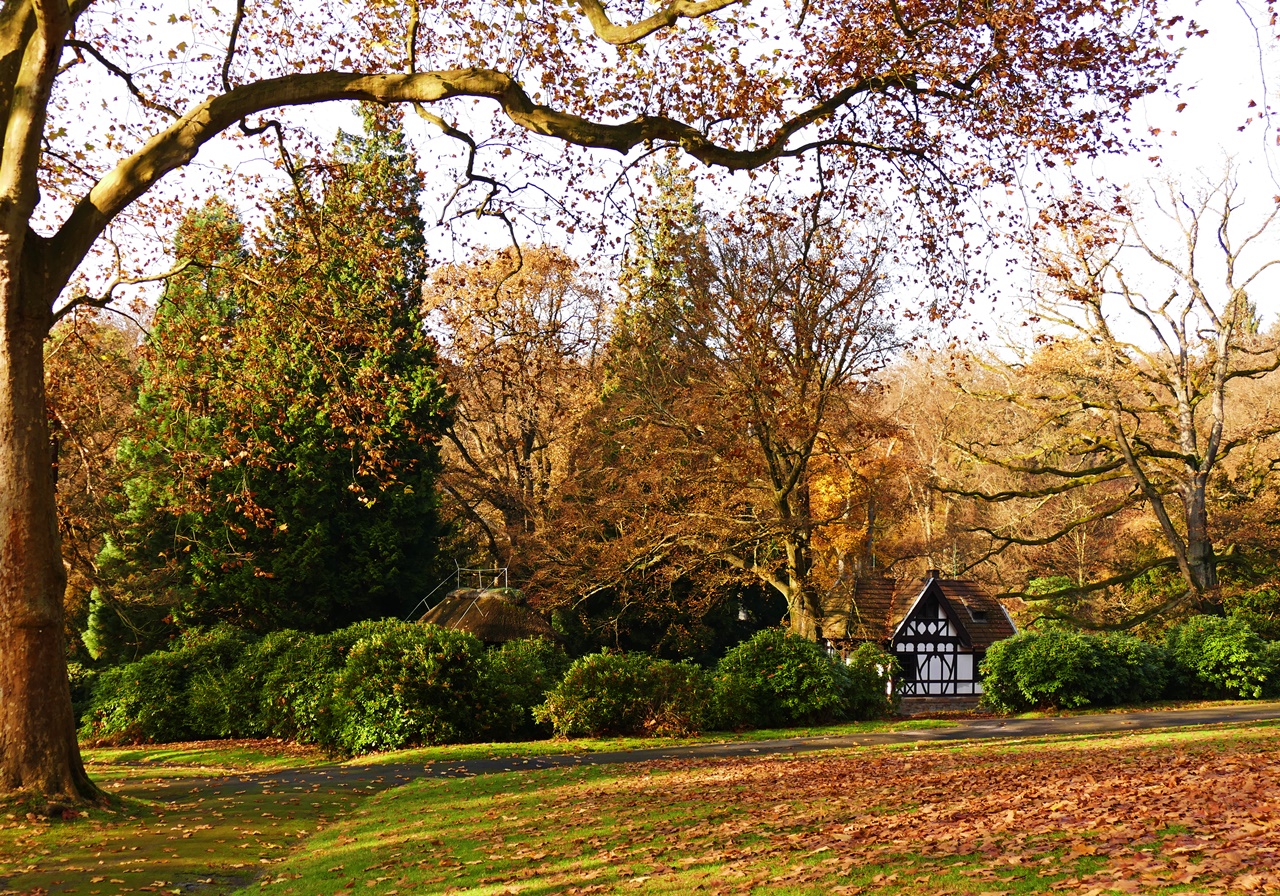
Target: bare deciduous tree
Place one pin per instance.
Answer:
(1134, 387)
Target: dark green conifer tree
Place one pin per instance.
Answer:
(285, 474)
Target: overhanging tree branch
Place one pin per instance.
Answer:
(665, 17)
(178, 144)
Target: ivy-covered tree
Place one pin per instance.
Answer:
(286, 460)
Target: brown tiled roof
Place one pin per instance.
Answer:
(494, 617)
(966, 597)
(865, 614)
(876, 607)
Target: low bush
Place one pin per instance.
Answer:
(1055, 668)
(82, 679)
(682, 699)
(776, 679)
(1271, 658)
(1219, 657)
(1059, 668)
(168, 695)
(865, 678)
(140, 702)
(1129, 670)
(521, 674)
(272, 673)
(999, 672)
(627, 693)
(219, 700)
(300, 683)
(405, 684)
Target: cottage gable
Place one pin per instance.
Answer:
(939, 629)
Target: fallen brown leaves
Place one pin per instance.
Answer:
(1113, 816)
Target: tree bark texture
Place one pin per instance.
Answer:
(38, 749)
(1200, 554)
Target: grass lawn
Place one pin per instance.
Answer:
(217, 757)
(198, 759)
(1167, 811)
(461, 752)
(1194, 810)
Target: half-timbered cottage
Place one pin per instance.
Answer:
(939, 629)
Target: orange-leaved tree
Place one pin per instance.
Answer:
(521, 340)
(937, 95)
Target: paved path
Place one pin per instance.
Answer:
(380, 777)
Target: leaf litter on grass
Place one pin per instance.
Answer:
(1194, 812)
(1123, 815)
(167, 833)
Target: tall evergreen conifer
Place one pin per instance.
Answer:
(286, 471)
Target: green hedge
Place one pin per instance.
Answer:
(1066, 669)
(865, 680)
(372, 686)
(777, 679)
(1214, 656)
(1206, 656)
(521, 674)
(168, 695)
(628, 693)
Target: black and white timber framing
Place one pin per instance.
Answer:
(934, 644)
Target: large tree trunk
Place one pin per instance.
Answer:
(38, 748)
(804, 609)
(804, 615)
(1200, 556)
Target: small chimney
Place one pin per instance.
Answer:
(933, 574)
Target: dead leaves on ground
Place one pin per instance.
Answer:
(1113, 817)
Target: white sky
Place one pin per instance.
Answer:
(1217, 77)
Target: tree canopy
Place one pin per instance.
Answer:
(283, 467)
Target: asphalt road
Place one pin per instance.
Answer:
(379, 777)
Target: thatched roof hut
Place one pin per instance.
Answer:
(494, 615)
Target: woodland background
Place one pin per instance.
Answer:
(725, 432)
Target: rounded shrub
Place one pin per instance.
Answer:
(1271, 659)
(521, 673)
(297, 676)
(865, 679)
(406, 684)
(627, 693)
(139, 702)
(169, 695)
(999, 672)
(1060, 668)
(1218, 657)
(681, 699)
(776, 679)
(219, 702)
(1128, 669)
